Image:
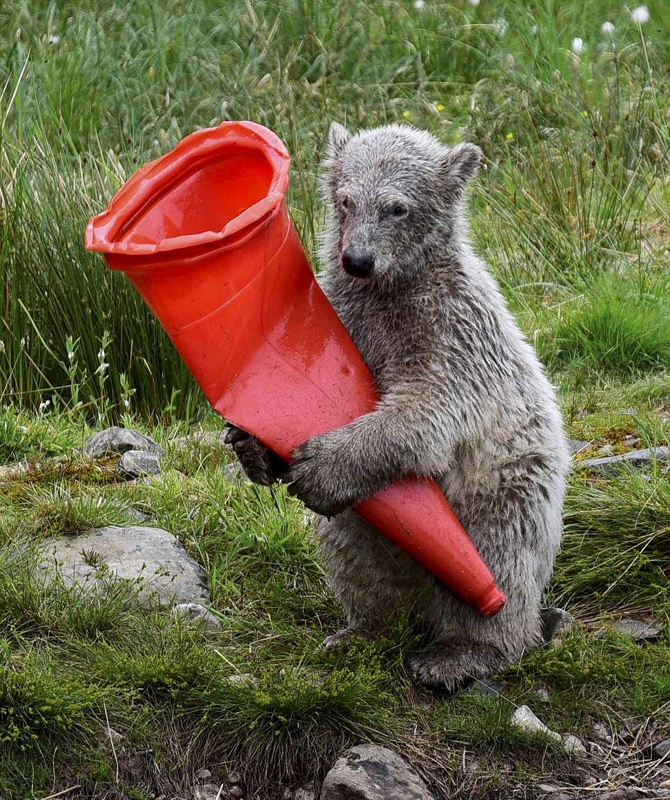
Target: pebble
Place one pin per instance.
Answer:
(661, 749)
(573, 745)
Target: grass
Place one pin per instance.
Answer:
(572, 214)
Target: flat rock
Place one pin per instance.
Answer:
(119, 440)
(555, 621)
(369, 772)
(150, 556)
(636, 458)
(138, 464)
(524, 719)
(197, 614)
(638, 629)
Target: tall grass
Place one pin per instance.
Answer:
(575, 146)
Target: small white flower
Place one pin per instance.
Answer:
(500, 26)
(101, 354)
(607, 29)
(534, 29)
(54, 39)
(44, 405)
(577, 46)
(640, 15)
(419, 4)
(474, 2)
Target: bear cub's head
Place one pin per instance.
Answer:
(395, 197)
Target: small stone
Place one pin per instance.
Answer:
(606, 450)
(236, 791)
(602, 733)
(661, 749)
(307, 792)
(573, 745)
(577, 445)
(542, 695)
(486, 688)
(664, 784)
(203, 775)
(197, 614)
(209, 791)
(555, 621)
(639, 630)
(119, 440)
(235, 778)
(524, 719)
(138, 463)
(630, 440)
(369, 772)
(635, 459)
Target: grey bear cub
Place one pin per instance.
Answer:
(464, 400)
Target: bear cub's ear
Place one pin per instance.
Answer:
(460, 164)
(338, 136)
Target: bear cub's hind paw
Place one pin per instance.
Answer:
(453, 667)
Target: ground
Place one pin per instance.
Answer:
(107, 700)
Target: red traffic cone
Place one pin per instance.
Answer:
(204, 235)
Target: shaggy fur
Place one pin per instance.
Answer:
(463, 400)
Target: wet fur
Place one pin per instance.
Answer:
(463, 400)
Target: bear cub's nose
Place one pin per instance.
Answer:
(360, 265)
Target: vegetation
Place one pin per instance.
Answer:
(571, 213)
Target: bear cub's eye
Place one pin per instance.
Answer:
(398, 210)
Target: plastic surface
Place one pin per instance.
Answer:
(204, 235)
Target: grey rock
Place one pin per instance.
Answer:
(151, 557)
(234, 778)
(524, 719)
(662, 749)
(486, 688)
(602, 733)
(138, 463)
(119, 440)
(638, 629)
(210, 791)
(307, 792)
(236, 791)
(573, 745)
(203, 775)
(197, 614)
(542, 695)
(577, 445)
(555, 621)
(369, 772)
(634, 459)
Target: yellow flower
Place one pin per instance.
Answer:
(439, 107)
(406, 114)
(510, 137)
